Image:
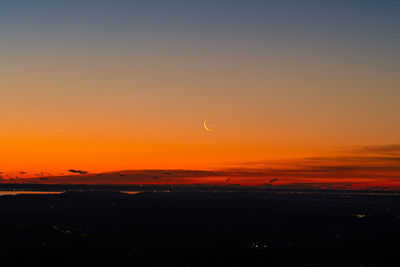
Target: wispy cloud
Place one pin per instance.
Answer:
(389, 150)
(78, 171)
(372, 165)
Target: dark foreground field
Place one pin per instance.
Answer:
(193, 228)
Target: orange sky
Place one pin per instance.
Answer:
(129, 90)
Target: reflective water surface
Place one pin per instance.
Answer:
(131, 192)
(13, 193)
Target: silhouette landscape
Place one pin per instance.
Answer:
(200, 133)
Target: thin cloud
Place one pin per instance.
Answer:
(375, 165)
(393, 149)
(78, 171)
(273, 180)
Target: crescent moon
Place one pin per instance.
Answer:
(205, 126)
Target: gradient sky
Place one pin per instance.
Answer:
(126, 85)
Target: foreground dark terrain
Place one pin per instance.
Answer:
(202, 228)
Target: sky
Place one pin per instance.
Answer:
(104, 86)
